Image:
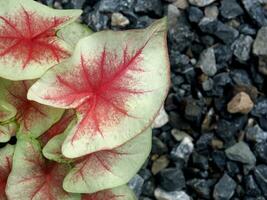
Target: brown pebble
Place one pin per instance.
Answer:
(240, 103)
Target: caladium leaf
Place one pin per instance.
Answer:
(33, 177)
(103, 169)
(6, 155)
(7, 131)
(118, 193)
(7, 111)
(28, 42)
(32, 117)
(73, 32)
(116, 81)
(59, 127)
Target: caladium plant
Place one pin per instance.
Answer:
(80, 104)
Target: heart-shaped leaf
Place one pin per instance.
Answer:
(103, 169)
(118, 193)
(28, 42)
(7, 131)
(32, 117)
(6, 155)
(7, 111)
(73, 32)
(34, 178)
(116, 81)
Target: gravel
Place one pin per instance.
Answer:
(218, 50)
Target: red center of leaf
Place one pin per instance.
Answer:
(4, 173)
(105, 83)
(28, 37)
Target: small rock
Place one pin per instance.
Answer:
(180, 35)
(241, 152)
(175, 195)
(256, 134)
(201, 3)
(136, 184)
(180, 135)
(77, 4)
(215, 27)
(181, 4)
(211, 12)
(259, 46)
(207, 85)
(152, 7)
(119, 20)
(230, 9)
(224, 189)
(158, 147)
(195, 14)
(256, 11)
(161, 119)
(261, 178)
(207, 62)
(200, 161)
(183, 150)
(219, 159)
(193, 111)
(240, 77)
(263, 64)
(171, 179)
(251, 187)
(97, 21)
(260, 108)
(242, 47)
(201, 186)
(240, 103)
(161, 163)
(217, 144)
(173, 14)
(260, 151)
(204, 141)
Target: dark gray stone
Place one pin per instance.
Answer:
(256, 134)
(174, 195)
(230, 9)
(183, 150)
(259, 46)
(241, 152)
(136, 184)
(242, 47)
(260, 108)
(201, 186)
(201, 3)
(251, 187)
(207, 62)
(261, 178)
(225, 188)
(260, 151)
(152, 7)
(195, 14)
(256, 11)
(215, 27)
(171, 179)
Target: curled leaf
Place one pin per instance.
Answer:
(116, 82)
(7, 131)
(6, 155)
(118, 193)
(28, 42)
(33, 118)
(103, 169)
(7, 111)
(34, 178)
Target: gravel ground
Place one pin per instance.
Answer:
(211, 144)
